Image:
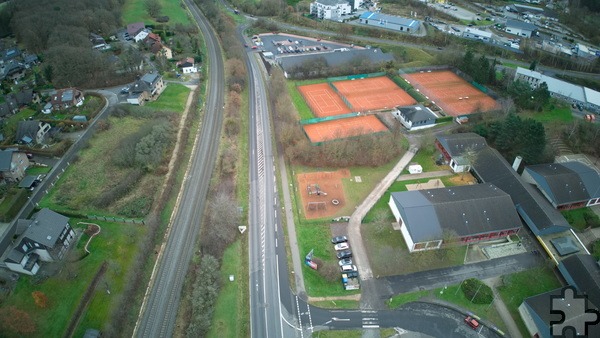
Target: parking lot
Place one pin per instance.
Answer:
(288, 45)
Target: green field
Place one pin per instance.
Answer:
(577, 218)
(172, 99)
(337, 304)
(517, 287)
(115, 245)
(559, 114)
(38, 170)
(135, 10)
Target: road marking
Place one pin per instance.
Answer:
(299, 317)
(370, 326)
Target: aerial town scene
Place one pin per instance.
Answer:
(300, 168)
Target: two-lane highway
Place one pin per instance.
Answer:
(161, 302)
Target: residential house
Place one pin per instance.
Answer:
(67, 98)
(158, 49)
(395, 23)
(415, 117)
(149, 87)
(12, 165)
(9, 106)
(330, 9)
(463, 214)
(10, 54)
(30, 60)
(520, 28)
(567, 185)
(24, 97)
(151, 39)
(98, 42)
(134, 28)
(12, 70)
(46, 238)
(141, 35)
(32, 132)
(457, 148)
(187, 65)
(582, 274)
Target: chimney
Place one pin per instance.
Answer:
(517, 163)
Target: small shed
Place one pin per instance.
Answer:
(79, 118)
(415, 169)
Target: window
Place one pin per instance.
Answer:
(24, 247)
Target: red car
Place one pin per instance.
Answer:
(472, 322)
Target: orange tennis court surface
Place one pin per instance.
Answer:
(373, 93)
(323, 100)
(342, 128)
(451, 92)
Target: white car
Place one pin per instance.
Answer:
(341, 246)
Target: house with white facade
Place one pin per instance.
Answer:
(330, 9)
(477, 34)
(43, 238)
(396, 23)
(520, 28)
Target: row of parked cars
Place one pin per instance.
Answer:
(344, 255)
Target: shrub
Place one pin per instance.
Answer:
(163, 18)
(477, 292)
(40, 299)
(330, 271)
(596, 249)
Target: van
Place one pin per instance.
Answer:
(348, 268)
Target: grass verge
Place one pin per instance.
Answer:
(337, 304)
(301, 106)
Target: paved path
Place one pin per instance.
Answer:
(500, 306)
(291, 227)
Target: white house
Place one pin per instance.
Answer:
(141, 35)
(415, 117)
(45, 237)
(392, 22)
(187, 65)
(330, 9)
(520, 28)
(473, 33)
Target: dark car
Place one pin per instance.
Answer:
(339, 239)
(344, 254)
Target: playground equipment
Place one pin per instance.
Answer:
(317, 206)
(314, 189)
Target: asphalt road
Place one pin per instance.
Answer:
(161, 302)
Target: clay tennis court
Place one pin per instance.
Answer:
(451, 92)
(373, 93)
(323, 101)
(330, 199)
(343, 128)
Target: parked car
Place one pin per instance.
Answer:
(474, 324)
(345, 261)
(352, 274)
(348, 268)
(344, 254)
(339, 239)
(341, 246)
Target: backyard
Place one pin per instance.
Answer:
(115, 245)
(172, 99)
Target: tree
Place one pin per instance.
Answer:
(48, 72)
(344, 30)
(533, 65)
(153, 7)
(204, 296)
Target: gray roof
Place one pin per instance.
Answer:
(331, 2)
(15, 256)
(47, 225)
(521, 25)
(464, 210)
(457, 144)
(538, 213)
(67, 95)
(150, 78)
(27, 181)
(584, 272)
(5, 159)
(567, 182)
(417, 113)
(139, 87)
(22, 97)
(564, 245)
(335, 59)
(27, 129)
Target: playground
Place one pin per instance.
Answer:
(322, 100)
(322, 193)
(451, 92)
(343, 128)
(374, 93)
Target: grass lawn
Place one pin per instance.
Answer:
(384, 333)
(426, 158)
(451, 294)
(577, 217)
(316, 236)
(10, 126)
(13, 201)
(298, 100)
(389, 255)
(230, 311)
(510, 65)
(517, 287)
(116, 245)
(38, 170)
(559, 114)
(337, 304)
(172, 99)
(135, 10)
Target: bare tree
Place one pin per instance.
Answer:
(153, 7)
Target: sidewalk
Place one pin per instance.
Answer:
(500, 306)
(355, 237)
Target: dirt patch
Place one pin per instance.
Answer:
(322, 193)
(463, 179)
(431, 184)
(339, 229)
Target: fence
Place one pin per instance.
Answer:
(116, 219)
(327, 118)
(340, 95)
(354, 77)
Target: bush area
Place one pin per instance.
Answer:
(115, 245)
(582, 137)
(477, 292)
(133, 144)
(582, 218)
(596, 249)
(13, 199)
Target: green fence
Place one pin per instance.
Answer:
(354, 77)
(340, 95)
(479, 86)
(327, 118)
